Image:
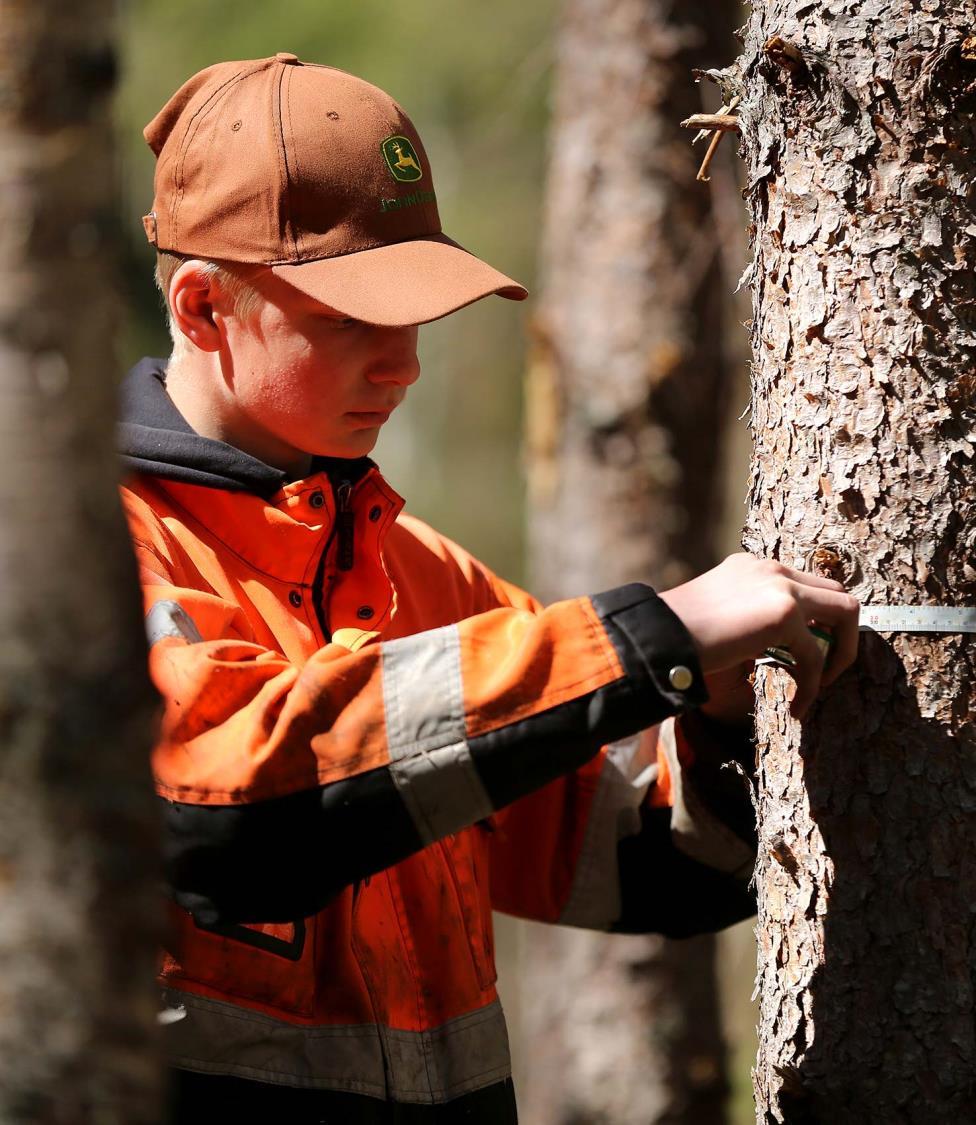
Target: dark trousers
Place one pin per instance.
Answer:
(204, 1099)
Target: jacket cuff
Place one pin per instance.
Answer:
(654, 647)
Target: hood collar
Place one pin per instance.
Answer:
(156, 440)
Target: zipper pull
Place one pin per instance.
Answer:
(345, 525)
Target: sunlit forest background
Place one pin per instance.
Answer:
(475, 78)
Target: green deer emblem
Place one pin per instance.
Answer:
(402, 160)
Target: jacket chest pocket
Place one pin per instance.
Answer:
(467, 864)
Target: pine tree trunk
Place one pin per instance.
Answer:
(860, 146)
(78, 866)
(627, 391)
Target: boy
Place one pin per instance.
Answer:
(370, 740)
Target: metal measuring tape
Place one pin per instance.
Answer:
(916, 619)
(888, 619)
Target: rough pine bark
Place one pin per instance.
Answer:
(858, 130)
(78, 867)
(627, 389)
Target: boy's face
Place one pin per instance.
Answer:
(300, 379)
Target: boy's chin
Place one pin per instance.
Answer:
(354, 445)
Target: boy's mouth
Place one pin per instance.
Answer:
(371, 417)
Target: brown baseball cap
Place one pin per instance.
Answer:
(317, 174)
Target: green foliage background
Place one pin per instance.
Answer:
(474, 78)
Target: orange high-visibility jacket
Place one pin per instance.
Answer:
(369, 742)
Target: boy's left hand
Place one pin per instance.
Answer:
(731, 697)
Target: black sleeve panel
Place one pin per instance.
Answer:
(277, 860)
(666, 892)
(249, 863)
(524, 756)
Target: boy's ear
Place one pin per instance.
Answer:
(193, 294)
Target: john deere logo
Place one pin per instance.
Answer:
(402, 159)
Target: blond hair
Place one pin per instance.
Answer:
(232, 276)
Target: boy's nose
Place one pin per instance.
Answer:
(396, 361)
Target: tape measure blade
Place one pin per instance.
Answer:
(917, 619)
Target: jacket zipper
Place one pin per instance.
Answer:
(345, 525)
(342, 532)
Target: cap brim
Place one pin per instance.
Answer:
(402, 283)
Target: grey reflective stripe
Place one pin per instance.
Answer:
(695, 830)
(464, 1054)
(629, 767)
(430, 761)
(170, 619)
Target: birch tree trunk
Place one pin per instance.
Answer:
(858, 122)
(78, 868)
(627, 390)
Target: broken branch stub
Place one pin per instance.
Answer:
(723, 122)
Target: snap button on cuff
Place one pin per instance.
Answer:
(316, 500)
(365, 612)
(295, 598)
(681, 677)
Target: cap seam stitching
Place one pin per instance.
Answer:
(296, 160)
(192, 127)
(283, 218)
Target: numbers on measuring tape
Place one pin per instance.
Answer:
(917, 619)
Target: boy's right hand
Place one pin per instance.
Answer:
(746, 605)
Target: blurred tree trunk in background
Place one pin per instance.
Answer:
(627, 391)
(860, 143)
(78, 866)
